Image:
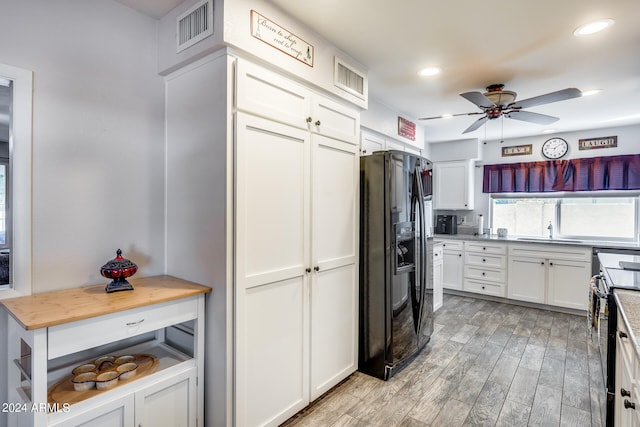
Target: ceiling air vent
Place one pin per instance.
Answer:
(195, 24)
(349, 80)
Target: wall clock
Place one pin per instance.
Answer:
(554, 148)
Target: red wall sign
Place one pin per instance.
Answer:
(406, 129)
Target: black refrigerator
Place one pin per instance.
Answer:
(396, 281)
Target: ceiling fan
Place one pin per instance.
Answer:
(496, 102)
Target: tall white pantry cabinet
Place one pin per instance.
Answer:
(291, 228)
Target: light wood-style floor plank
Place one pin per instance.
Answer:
(487, 364)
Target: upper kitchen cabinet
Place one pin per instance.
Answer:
(273, 96)
(371, 141)
(453, 183)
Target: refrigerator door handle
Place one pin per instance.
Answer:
(420, 276)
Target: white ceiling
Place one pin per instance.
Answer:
(526, 45)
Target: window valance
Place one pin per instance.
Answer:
(589, 174)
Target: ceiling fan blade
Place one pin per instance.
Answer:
(478, 98)
(548, 98)
(449, 115)
(527, 116)
(475, 125)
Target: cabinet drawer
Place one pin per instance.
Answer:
(452, 245)
(492, 275)
(495, 261)
(75, 336)
(547, 250)
(481, 287)
(485, 248)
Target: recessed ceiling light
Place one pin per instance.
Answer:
(591, 92)
(427, 72)
(592, 27)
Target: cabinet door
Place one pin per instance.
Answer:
(272, 253)
(453, 183)
(271, 95)
(452, 270)
(370, 143)
(335, 120)
(170, 402)
(334, 283)
(527, 278)
(115, 413)
(568, 283)
(437, 282)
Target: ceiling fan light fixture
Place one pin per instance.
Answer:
(593, 27)
(501, 97)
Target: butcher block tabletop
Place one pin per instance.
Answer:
(70, 305)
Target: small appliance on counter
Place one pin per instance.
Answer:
(447, 224)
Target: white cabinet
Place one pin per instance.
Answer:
(296, 250)
(163, 393)
(371, 141)
(551, 274)
(627, 399)
(453, 185)
(453, 264)
(438, 264)
(485, 268)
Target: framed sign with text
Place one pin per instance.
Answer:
(592, 143)
(517, 150)
(406, 129)
(285, 41)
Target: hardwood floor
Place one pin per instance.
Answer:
(488, 364)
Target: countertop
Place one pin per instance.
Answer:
(69, 305)
(533, 240)
(629, 309)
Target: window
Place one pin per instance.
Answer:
(584, 217)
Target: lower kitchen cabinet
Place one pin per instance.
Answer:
(453, 264)
(627, 399)
(485, 268)
(438, 264)
(549, 274)
(170, 402)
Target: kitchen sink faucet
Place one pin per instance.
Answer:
(550, 228)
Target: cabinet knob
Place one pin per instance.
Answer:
(550, 264)
(317, 123)
(629, 405)
(307, 270)
(624, 392)
(316, 268)
(484, 249)
(484, 274)
(542, 263)
(309, 119)
(483, 288)
(484, 260)
(622, 334)
(459, 255)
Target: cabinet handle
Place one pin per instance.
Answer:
(622, 335)
(483, 288)
(542, 263)
(317, 123)
(460, 255)
(483, 273)
(484, 249)
(628, 405)
(134, 323)
(484, 260)
(316, 268)
(550, 264)
(307, 270)
(624, 393)
(309, 119)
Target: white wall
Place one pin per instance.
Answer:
(98, 154)
(384, 120)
